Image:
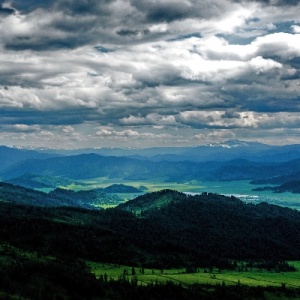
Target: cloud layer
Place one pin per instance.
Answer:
(148, 73)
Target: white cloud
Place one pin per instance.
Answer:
(215, 119)
(68, 129)
(280, 44)
(45, 133)
(22, 128)
(150, 119)
(133, 136)
(215, 135)
(261, 65)
(296, 28)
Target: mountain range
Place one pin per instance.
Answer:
(229, 150)
(87, 166)
(233, 160)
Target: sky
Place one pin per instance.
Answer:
(143, 73)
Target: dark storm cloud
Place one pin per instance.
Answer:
(262, 99)
(29, 5)
(129, 32)
(76, 23)
(60, 24)
(168, 12)
(44, 44)
(70, 24)
(5, 10)
(174, 10)
(47, 43)
(84, 7)
(59, 117)
(272, 2)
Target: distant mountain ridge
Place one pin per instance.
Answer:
(9, 156)
(229, 150)
(231, 160)
(86, 166)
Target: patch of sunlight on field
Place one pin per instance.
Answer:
(151, 185)
(106, 206)
(296, 264)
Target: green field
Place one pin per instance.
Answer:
(203, 276)
(240, 189)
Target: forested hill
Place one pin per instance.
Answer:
(181, 231)
(154, 203)
(222, 226)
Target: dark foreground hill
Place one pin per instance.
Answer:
(180, 231)
(43, 250)
(223, 226)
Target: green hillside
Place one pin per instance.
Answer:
(46, 250)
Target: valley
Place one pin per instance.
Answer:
(242, 189)
(145, 227)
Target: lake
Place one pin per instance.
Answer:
(243, 190)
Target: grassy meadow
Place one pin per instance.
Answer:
(203, 276)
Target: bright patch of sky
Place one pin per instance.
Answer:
(137, 73)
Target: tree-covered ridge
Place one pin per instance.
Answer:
(34, 181)
(185, 230)
(292, 186)
(156, 201)
(91, 199)
(153, 200)
(225, 226)
(122, 188)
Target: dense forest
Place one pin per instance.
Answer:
(44, 248)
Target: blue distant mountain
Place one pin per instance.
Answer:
(9, 155)
(233, 160)
(87, 166)
(232, 149)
